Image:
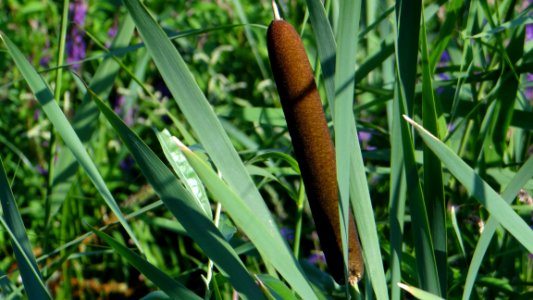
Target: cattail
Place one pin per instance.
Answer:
(312, 145)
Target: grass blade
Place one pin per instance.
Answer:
(343, 118)
(12, 222)
(408, 27)
(433, 178)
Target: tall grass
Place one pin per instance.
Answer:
(168, 114)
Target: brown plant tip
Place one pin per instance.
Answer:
(312, 145)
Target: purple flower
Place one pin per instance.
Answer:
(111, 33)
(317, 257)
(364, 136)
(529, 90)
(121, 100)
(444, 58)
(42, 170)
(75, 43)
(287, 234)
(78, 10)
(120, 109)
(36, 114)
(451, 127)
(127, 163)
(529, 32)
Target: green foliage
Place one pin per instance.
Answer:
(442, 201)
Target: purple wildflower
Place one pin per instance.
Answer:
(120, 108)
(127, 163)
(36, 114)
(287, 234)
(317, 257)
(111, 33)
(444, 59)
(42, 170)
(76, 44)
(364, 136)
(529, 90)
(121, 100)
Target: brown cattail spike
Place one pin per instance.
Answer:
(312, 145)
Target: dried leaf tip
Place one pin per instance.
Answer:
(275, 10)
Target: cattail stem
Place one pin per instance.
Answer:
(312, 145)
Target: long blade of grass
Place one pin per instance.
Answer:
(433, 178)
(408, 27)
(326, 46)
(479, 189)
(241, 214)
(171, 287)
(397, 197)
(209, 131)
(343, 118)
(358, 189)
(12, 222)
(182, 205)
(509, 194)
(63, 127)
(85, 120)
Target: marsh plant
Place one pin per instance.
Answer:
(158, 149)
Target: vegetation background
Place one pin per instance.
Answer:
(100, 201)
